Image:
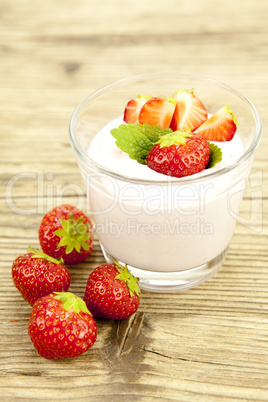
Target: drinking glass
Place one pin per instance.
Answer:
(173, 233)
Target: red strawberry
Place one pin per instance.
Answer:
(179, 154)
(36, 274)
(219, 127)
(132, 110)
(66, 232)
(61, 326)
(112, 292)
(157, 111)
(189, 112)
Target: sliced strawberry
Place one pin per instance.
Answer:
(189, 112)
(219, 127)
(132, 110)
(157, 111)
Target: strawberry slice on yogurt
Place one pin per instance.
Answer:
(133, 108)
(189, 112)
(219, 127)
(157, 111)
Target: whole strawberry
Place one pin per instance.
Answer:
(179, 154)
(36, 274)
(61, 326)
(66, 232)
(112, 292)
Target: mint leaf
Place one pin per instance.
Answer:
(138, 139)
(215, 155)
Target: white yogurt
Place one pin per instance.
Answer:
(164, 227)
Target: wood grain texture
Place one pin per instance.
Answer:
(205, 344)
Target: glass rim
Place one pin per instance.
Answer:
(179, 180)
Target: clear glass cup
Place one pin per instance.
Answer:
(172, 233)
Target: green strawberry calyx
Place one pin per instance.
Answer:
(71, 301)
(144, 96)
(147, 97)
(74, 234)
(125, 275)
(39, 254)
(228, 110)
(180, 91)
(176, 137)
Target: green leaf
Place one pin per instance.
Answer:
(228, 109)
(65, 223)
(77, 246)
(144, 96)
(215, 155)
(84, 245)
(60, 232)
(126, 276)
(69, 247)
(74, 234)
(39, 254)
(71, 301)
(138, 139)
(189, 91)
(176, 137)
(64, 242)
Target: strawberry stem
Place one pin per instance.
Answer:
(126, 276)
(74, 234)
(39, 254)
(229, 110)
(70, 301)
(176, 137)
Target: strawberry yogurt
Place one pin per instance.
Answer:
(162, 224)
(172, 232)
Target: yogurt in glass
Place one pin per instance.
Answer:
(173, 233)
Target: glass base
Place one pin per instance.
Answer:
(168, 282)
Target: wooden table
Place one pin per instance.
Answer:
(205, 344)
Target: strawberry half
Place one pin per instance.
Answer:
(219, 127)
(132, 110)
(157, 111)
(36, 274)
(61, 326)
(66, 232)
(179, 154)
(189, 112)
(112, 292)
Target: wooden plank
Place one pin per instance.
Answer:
(205, 344)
